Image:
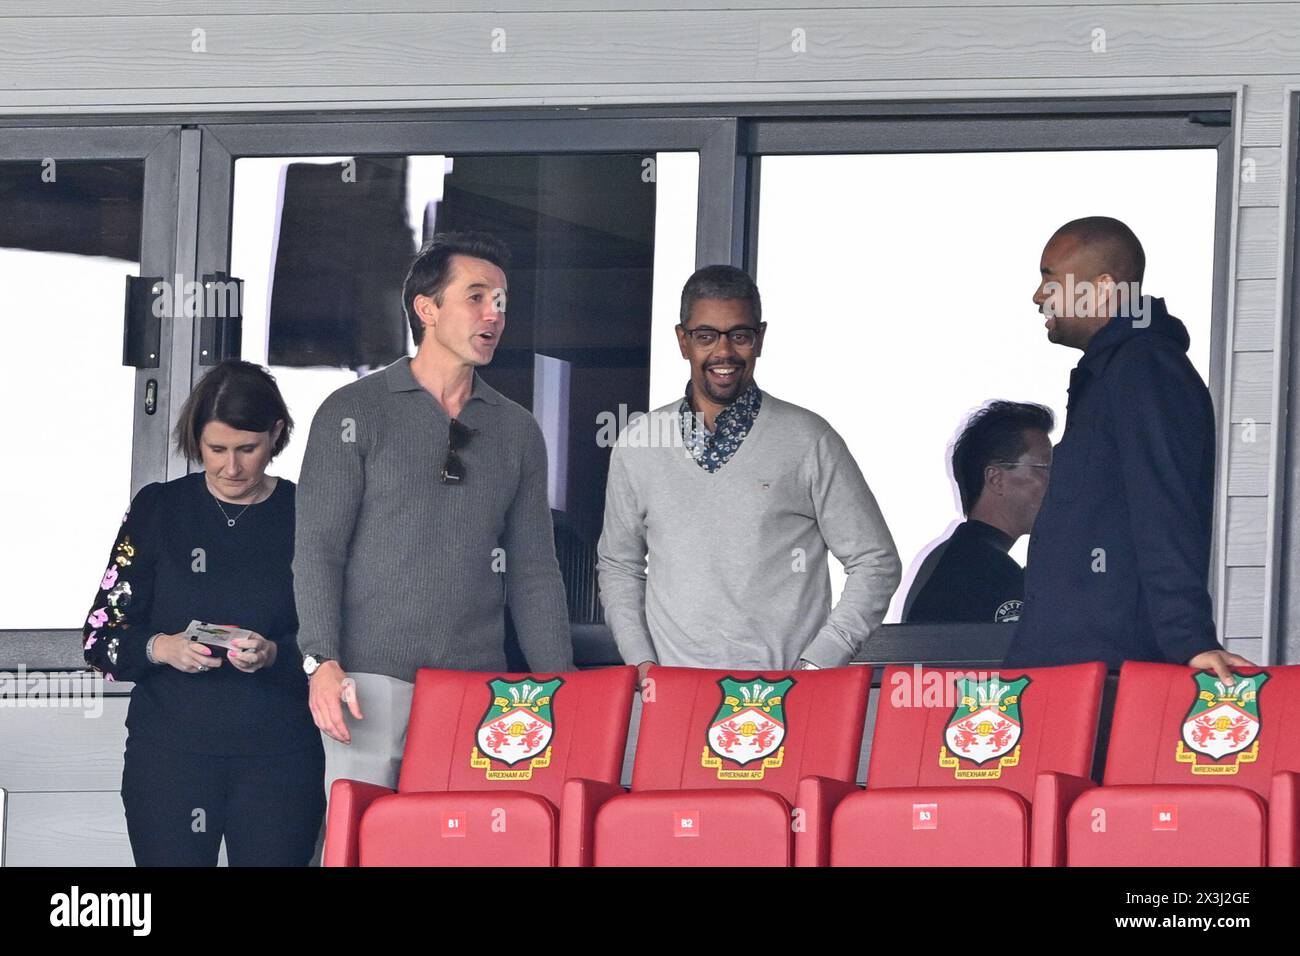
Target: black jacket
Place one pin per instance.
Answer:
(1119, 556)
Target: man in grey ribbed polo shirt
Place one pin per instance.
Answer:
(422, 511)
(736, 515)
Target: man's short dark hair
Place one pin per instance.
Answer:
(431, 270)
(1115, 245)
(236, 393)
(994, 433)
(721, 282)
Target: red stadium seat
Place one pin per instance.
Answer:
(1197, 774)
(736, 768)
(498, 770)
(959, 761)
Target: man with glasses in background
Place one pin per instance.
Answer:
(736, 508)
(1000, 463)
(422, 512)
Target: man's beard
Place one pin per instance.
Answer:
(733, 391)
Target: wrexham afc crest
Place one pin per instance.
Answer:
(517, 727)
(984, 728)
(747, 729)
(1223, 722)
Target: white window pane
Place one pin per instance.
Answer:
(898, 289)
(68, 396)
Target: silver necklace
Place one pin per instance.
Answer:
(230, 522)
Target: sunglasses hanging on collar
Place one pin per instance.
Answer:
(453, 469)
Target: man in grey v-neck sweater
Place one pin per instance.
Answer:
(735, 522)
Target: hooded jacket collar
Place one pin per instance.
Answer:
(1155, 320)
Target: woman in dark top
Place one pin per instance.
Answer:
(220, 743)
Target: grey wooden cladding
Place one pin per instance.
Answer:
(1261, 176)
(1247, 524)
(77, 8)
(66, 829)
(62, 769)
(1251, 648)
(1257, 243)
(666, 48)
(1252, 386)
(1252, 397)
(1255, 325)
(1248, 461)
(1245, 616)
(48, 748)
(1263, 106)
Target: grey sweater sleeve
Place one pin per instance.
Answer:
(621, 564)
(330, 488)
(534, 586)
(855, 531)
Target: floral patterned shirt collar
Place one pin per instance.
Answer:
(712, 450)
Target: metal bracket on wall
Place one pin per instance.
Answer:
(221, 328)
(141, 321)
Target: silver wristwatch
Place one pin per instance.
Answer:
(310, 663)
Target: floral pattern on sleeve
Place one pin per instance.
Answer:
(117, 628)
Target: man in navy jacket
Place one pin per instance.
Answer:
(1119, 556)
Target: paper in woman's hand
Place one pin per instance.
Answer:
(215, 635)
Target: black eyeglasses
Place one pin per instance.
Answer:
(742, 336)
(453, 469)
(1028, 464)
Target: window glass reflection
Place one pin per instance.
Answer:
(898, 290)
(323, 244)
(69, 233)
